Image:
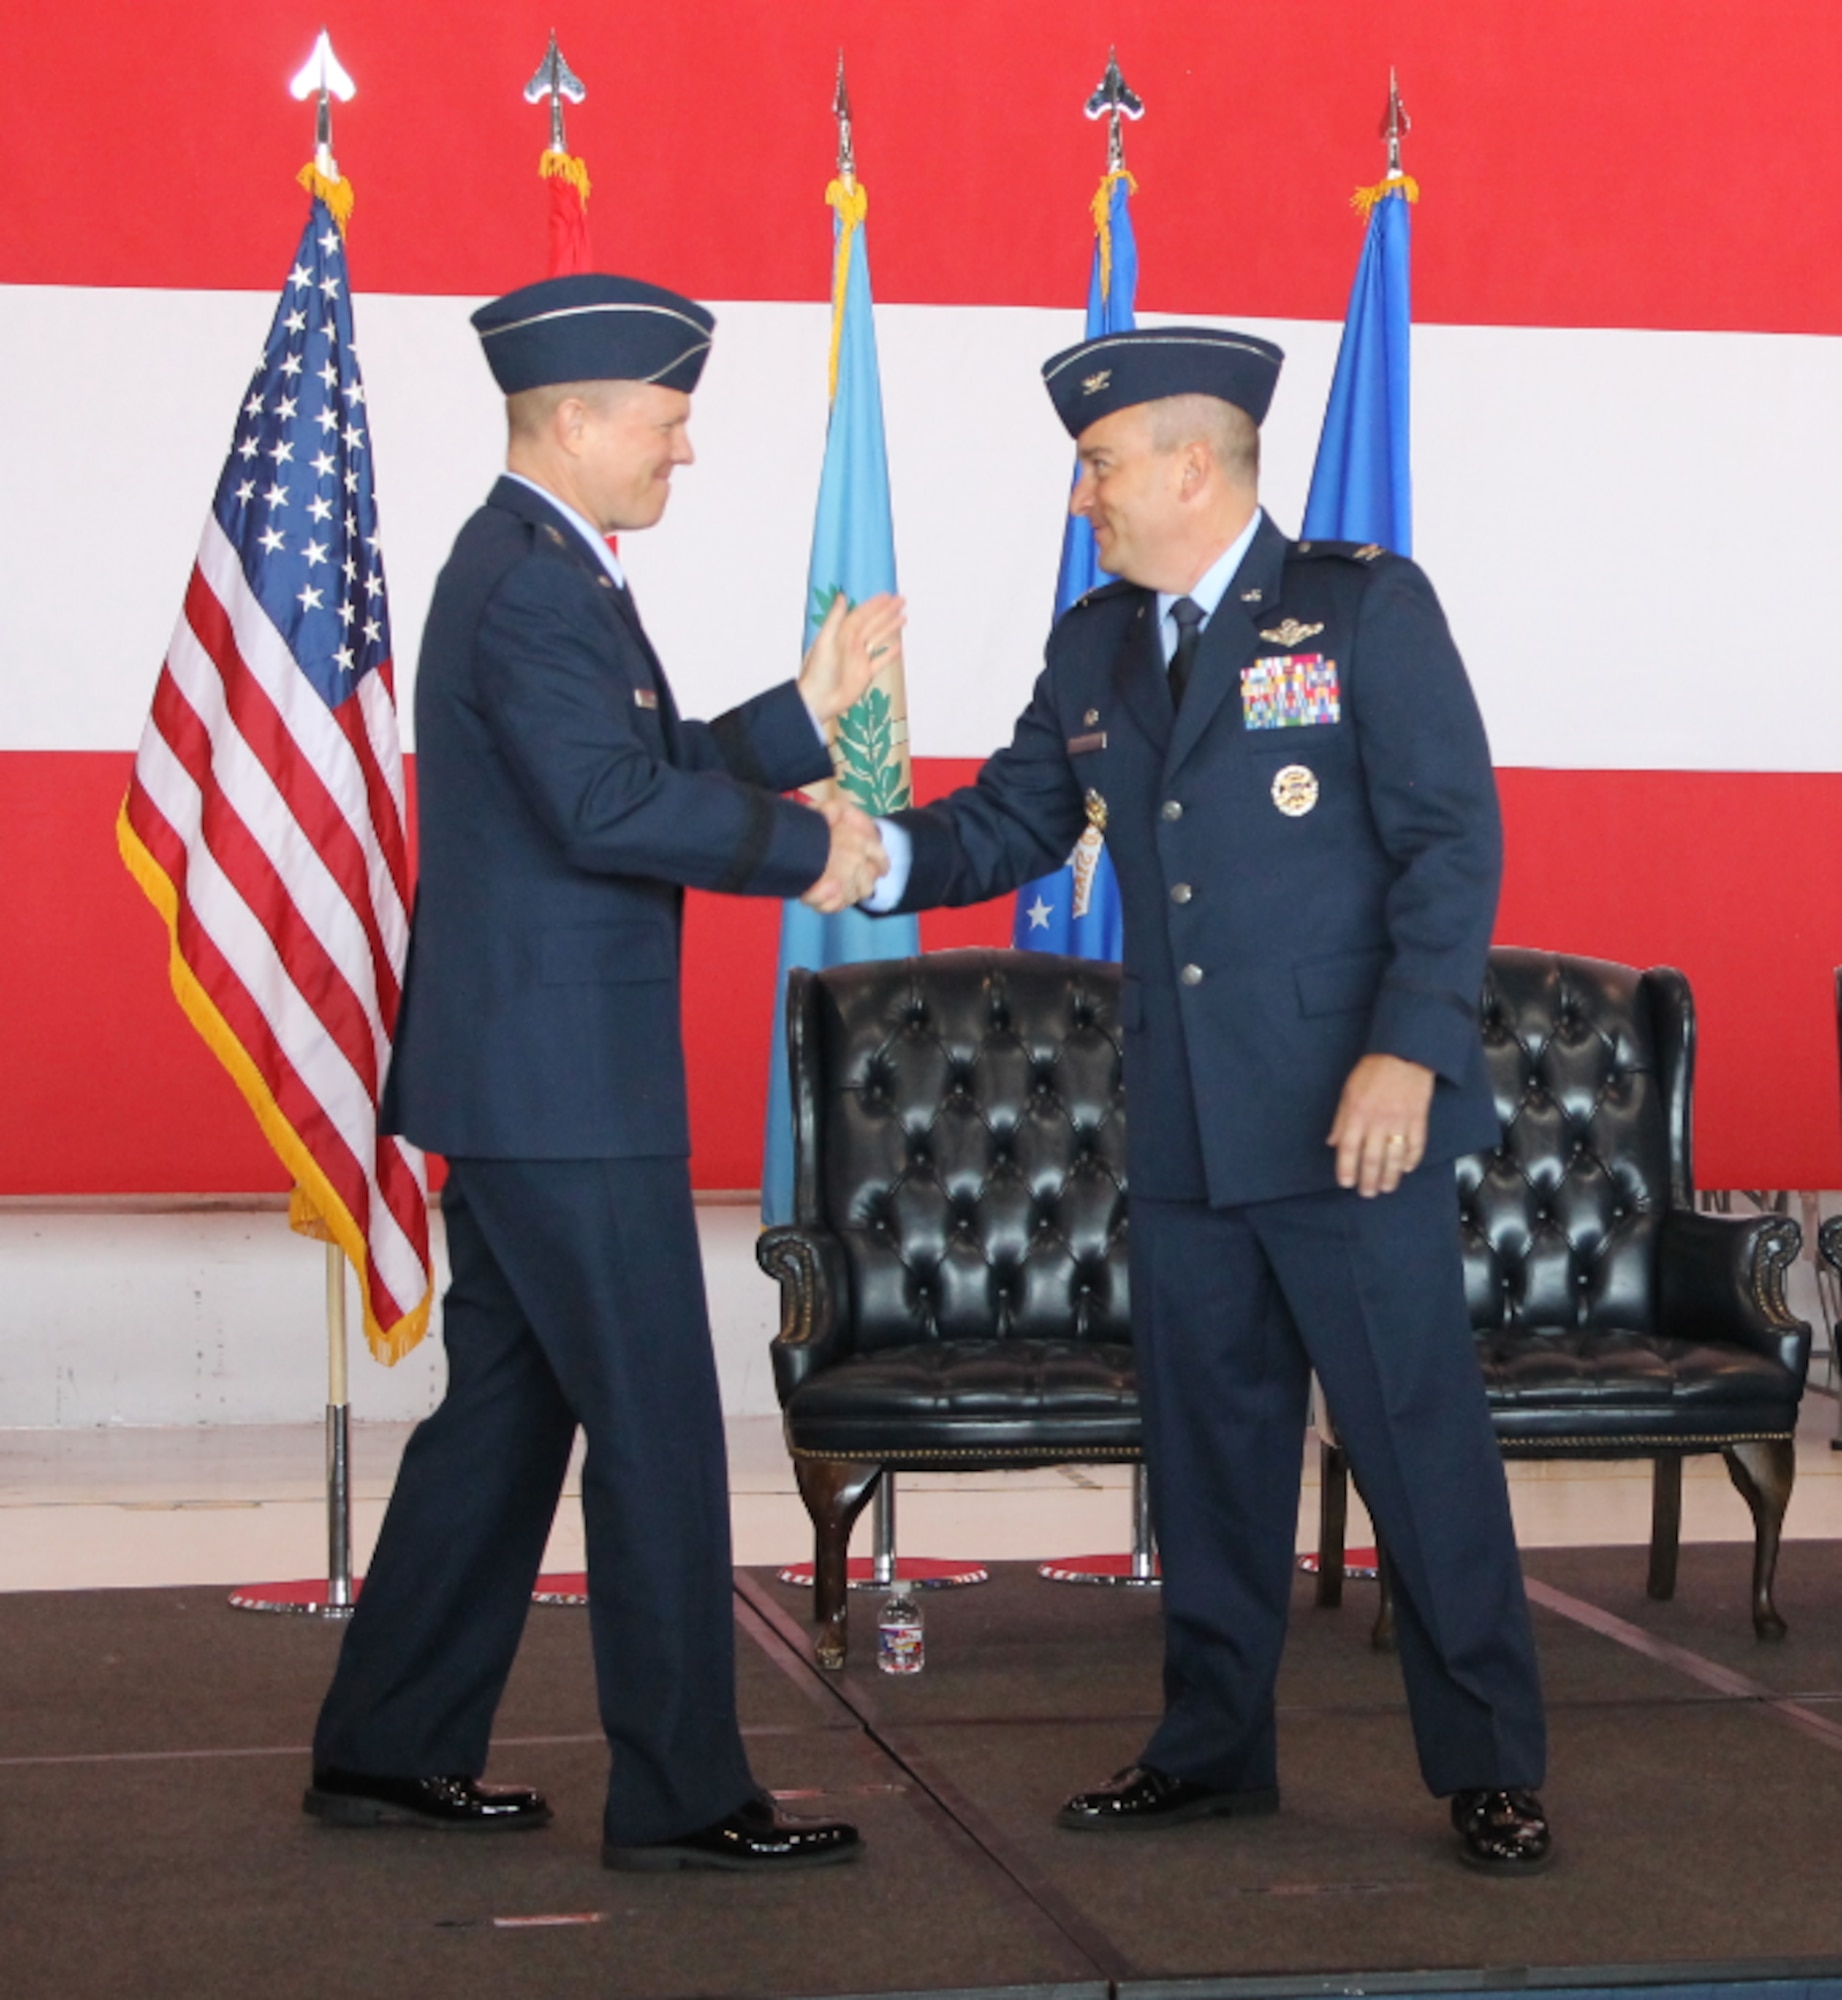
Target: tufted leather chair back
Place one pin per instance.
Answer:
(1590, 1063)
(961, 1129)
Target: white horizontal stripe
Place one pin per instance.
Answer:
(235, 930)
(265, 653)
(247, 787)
(1626, 527)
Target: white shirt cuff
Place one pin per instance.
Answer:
(899, 845)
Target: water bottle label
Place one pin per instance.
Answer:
(900, 1648)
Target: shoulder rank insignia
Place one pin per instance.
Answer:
(1289, 632)
(1369, 551)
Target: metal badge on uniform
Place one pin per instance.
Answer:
(1079, 746)
(1290, 691)
(1091, 385)
(645, 698)
(1091, 717)
(1289, 633)
(1295, 791)
(556, 535)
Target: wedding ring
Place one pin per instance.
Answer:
(1397, 1138)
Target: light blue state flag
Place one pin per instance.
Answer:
(853, 551)
(1076, 910)
(1362, 484)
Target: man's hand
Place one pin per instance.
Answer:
(857, 860)
(850, 650)
(1380, 1133)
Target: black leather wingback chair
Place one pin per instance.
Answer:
(1613, 1319)
(953, 1286)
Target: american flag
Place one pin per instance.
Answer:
(265, 816)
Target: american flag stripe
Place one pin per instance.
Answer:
(265, 815)
(325, 745)
(261, 854)
(292, 1115)
(279, 792)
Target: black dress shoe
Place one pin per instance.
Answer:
(357, 1798)
(757, 1838)
(1502, 1833)
(1140, 1796)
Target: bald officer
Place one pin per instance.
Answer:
(565, 807)
(1280, 742)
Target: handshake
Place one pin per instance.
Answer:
(856, 861)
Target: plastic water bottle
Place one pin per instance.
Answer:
(901, 1646)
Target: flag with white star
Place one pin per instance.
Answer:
(265, 819)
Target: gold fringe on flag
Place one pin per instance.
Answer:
(565, 167)
(337, 195)
(314, 1208)
(1364, 199)
(852, 202)
(1103, 221)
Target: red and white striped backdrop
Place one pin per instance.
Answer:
(1628, 419)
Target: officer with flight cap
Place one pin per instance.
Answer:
(565, 807)
(1280, 743)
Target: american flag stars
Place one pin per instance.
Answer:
(307, 535)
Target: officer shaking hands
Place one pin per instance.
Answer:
(1280, 742)
(565, 808)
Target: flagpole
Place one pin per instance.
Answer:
(322, 78)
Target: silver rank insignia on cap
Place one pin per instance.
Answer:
(1295, 791)
(1289, 632)
(1091, 385)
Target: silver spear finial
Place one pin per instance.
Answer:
(1115, 99)
(1395, 121)
(556, 81)
(322, 74)
(841, 110)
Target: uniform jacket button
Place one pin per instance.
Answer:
(1181, 892)
(1191, 975)
(1172, 809)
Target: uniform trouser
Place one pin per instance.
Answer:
(576, 1298)
(1232, 1309)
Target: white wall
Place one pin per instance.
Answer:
(189, 1313)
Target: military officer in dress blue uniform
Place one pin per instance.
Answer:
(565, 806)
(1298, 798)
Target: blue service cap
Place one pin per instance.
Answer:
(594, 327)
(1096, 378)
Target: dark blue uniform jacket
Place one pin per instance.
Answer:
(1265, 950)
(564, 807)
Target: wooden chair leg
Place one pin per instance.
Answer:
(834, 1490)
(1665, 1524)
(1764, 1473)
(1381, 1636)
(1333, 1522)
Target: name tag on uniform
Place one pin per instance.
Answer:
(1290, 691)
(645, 698)
(1079, 745)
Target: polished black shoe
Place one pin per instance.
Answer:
(757, 1838)
(1140, 1796)
(1502, 1833)
(357, 1798)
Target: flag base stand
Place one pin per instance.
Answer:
(923, 1572)
(1136, 1569)
(334, 1598)
(1364, 1565)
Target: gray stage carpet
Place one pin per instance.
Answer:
(152, 1756)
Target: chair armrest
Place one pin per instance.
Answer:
(815, 1302)
(1721, 1278)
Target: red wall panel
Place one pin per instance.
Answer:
(107, 1090)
